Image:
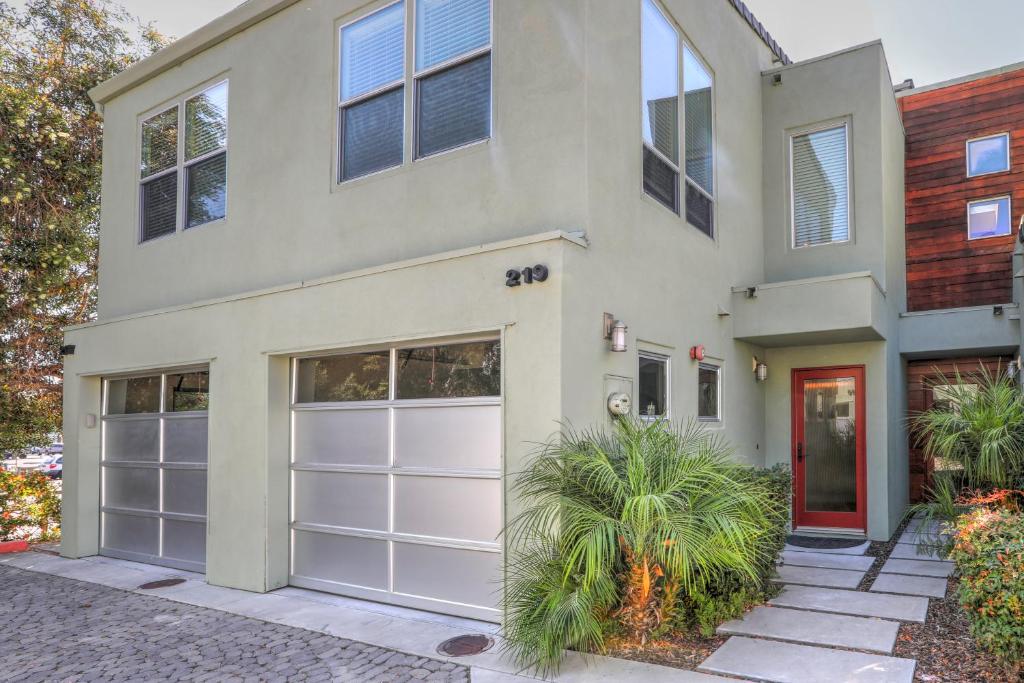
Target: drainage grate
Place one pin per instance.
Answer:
(164, 583)
(463, 646)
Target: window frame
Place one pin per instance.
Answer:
(1009, 221)
(666, 362)
(967, 154)
(845, 124)
(717, 418)
(181, 166)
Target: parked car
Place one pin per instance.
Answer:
(53, 467)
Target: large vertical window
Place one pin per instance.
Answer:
(192, 165)
(700, 171)
(372, 105)
(819, 166)
(652, 386)
(659, 103)
(453, 74)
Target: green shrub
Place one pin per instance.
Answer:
(29, 507)
(632, 533)
(989, 554)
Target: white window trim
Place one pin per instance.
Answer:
(831, 125)
(667, 361)
(718, 418)
(181, 166)
(967, 150)
(1009, 210)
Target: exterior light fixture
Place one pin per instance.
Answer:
(615, 331)
(760, 369)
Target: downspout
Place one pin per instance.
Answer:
(1018, 288)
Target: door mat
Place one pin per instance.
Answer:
(823, 543)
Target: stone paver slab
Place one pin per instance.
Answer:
(767, 660)
(855, 550)
(910, 585)
(908, 551)
(914, 537)
(816, 576)
(816, 628)
(919, 525)
(856, 603)
(859, 563)
(935, 568)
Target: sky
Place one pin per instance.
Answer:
(927, 40)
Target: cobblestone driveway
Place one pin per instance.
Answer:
(57, 629)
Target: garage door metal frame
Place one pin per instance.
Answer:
(393, 472)
(163, 417)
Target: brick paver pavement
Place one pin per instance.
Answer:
(57, 629)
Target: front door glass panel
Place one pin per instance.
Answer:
(830, 444)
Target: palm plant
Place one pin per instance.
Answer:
(619, 527)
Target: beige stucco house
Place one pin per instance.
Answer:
(356, 259)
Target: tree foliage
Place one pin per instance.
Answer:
(51, 53)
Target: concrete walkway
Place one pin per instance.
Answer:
(821, 629)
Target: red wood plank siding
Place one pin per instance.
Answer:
(921, 376)
(944, 268)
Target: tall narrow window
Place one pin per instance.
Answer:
(820, 187)
(709, 393)
(659, 102)
(159, 168)
(988, 155)
(453, 74)
(206, 139)
(652, 386)
(372, 105)
(700, 172)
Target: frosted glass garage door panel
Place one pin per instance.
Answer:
(131, 487)
(185, 540)
(131, 440)
(185, 491)
(185, 439)
(448, 507)
(453, 437)
(341, 437)
(130, 533)
(451, 574)
(341, 499)
(342, 559)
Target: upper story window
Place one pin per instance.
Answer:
(988, 218)
(661, 68)
(450, 84)
(652, 385)
(183, 178)
(989, 154)
(819, 172)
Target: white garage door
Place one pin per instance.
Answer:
(396, 476)
(154, 468)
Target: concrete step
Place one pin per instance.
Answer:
(931, 527)
(816, 576)
(855, 550)
(855, 603)
(767, 660)
(910, 585)
(909, 551)
(858, 563)
(935, 568)
(915, 537)
(816, 628)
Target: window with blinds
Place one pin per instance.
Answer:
(184, 152)
(659, 102)
(820, 187)
(700, 172)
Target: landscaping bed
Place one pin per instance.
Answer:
(680, 650)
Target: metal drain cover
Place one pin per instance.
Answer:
(164, 583)
(463, 646)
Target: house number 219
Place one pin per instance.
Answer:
(528, 275)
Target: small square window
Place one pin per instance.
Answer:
(709, 404)
(652, 382)
(988, 218)
(988, 155)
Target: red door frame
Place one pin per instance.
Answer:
(846, 520)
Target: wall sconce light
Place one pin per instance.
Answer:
(760, 370)
(615, 331)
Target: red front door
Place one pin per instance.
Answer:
(829, 470)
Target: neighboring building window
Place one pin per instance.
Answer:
(453, 74)
(652, 383)
(951, 396)
(372, 106)
(198, 160)
(988, 155)
(660, 105)
(700, 172)
(819, 166)
(709, 394)
(988, 218)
